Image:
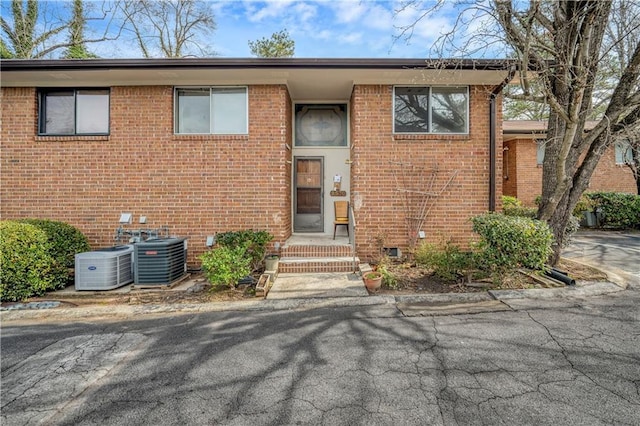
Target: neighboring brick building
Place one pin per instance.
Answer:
(523, 153)
(211, 145)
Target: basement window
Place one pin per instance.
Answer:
(73, 112)
(212, 110)
(438, 110)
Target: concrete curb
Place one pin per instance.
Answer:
(621, 278)
(118, 312)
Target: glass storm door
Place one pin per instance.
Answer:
(307, 215)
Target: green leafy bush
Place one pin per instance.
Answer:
(585, 204)
(389, 279)
(66, 240)
(254, 242)
(617, 210)
(224, 265)
(509, 242)
(521, 211)
(509, 201)
(511, 206)
(25, 261)
(446, 260)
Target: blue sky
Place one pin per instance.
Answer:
(347, 28)
(328, 28)
(320, 28)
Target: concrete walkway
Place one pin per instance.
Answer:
(320, 285)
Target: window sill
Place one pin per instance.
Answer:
(430, 137)
(177, 137)
(72, 138)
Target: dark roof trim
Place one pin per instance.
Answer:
(523, 131)
(229, 63)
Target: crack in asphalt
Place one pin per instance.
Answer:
(60, 372)
(565, 355)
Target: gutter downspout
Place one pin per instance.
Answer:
(492, 137)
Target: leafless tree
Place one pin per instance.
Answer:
(171, 28)
(33, 30)
(559, 45)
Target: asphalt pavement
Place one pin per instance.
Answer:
(608, 250)
(530, 359)
(561, 361)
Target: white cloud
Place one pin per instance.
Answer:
(351, 38)
(304, 11)
(376, 15)
(279, 9)
(349, 11)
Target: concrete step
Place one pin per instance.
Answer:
(298, 264)
(316, 251)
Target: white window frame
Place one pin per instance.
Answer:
(623, 153)
(430, 122)
(42, 107)
(212, 131)
(540, 149)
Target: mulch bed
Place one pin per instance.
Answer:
(413, 279)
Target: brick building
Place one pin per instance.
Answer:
(212, 145)
(523, 153)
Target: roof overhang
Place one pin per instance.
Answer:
(306, 79)
(523, 129)
(531, 129)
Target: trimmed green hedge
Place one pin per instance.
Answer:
(66, 240)
(509, 242)
(27, 267)
(37, 255)
(617, 210)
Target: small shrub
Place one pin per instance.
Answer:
(509, 242)
(389, 280)
(509, 201)
(254, 242)
(24, 261)
(447, 261)
(224, 265)
(511, 206)
(585, 204)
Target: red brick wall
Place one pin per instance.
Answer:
(527, 173)
(377, 197)
(608, 176)
(198, 185)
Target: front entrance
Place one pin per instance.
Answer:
(321, 165)
(308, 194)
